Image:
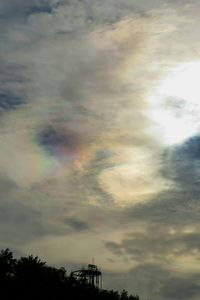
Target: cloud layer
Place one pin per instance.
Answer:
(85, 169)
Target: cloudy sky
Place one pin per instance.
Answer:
(100, 139)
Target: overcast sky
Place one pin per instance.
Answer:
(100, 139)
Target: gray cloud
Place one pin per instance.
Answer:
(166, 220)
(76, 224)
(13, 86)
(173, 207)
(18, 223)
(179, 205)
(160, 283)
(9, 102)
(54, 140)
(182, 163)
(84, 69)
(157, 244)
(19, 8)
(182, 288)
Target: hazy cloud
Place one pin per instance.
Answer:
(85, 169)
(183, 163)
(77, 225)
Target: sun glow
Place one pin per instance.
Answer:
(175, 105)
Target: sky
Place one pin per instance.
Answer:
(100, 139)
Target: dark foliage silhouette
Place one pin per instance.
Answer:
(30, 278)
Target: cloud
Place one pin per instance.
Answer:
(161, 286)
(55, 99)
(19, 8)
(19, 222)
(134, 181)
(65, 146)
(165, 244)
(8, 102)
(183, 163)
(179, 205)
(84, 173)
(77, 225)
(181, 289)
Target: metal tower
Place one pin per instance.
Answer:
(92, 275)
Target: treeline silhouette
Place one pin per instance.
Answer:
(30, 278)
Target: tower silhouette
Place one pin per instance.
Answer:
(92, 275)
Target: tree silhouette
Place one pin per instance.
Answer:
(7, 264)
(30, 278)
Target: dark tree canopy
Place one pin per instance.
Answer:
(30, 278)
